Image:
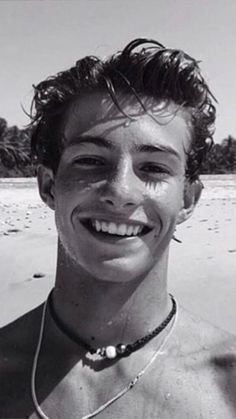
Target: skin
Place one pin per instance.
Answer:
(132, 174)
(109, 289)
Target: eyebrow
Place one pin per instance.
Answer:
(106, 143)
(98, 141)
(150, 148)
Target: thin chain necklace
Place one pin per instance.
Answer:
(121, 393)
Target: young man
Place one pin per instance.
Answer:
(119, 145)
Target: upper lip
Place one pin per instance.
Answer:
(116, 219)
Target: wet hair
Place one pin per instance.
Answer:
(145, 68)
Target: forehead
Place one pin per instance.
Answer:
(97, 116)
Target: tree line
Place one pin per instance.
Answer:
(15, 158)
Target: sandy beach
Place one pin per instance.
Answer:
(202, 273)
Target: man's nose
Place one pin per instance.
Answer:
(123, 189)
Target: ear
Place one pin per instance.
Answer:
(45, 178)
(192, 193)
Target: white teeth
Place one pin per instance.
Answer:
(118, 229)
(130, 230)
(97, 225)
(121, 229)
(112, 228)
(137, 229)
(104, 226)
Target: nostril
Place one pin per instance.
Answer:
(129, 204)
(117, 202)
(108, 201)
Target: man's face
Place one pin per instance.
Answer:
(119, 186)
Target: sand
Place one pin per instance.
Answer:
(202, 272)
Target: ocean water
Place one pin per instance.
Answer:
(219, 186)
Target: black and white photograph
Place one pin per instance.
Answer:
(118, 209)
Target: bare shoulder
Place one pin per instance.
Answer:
(202, 368)
(199, 336)
(201, 332)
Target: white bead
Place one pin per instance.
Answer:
(110, 352)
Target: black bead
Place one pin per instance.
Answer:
(120, 348)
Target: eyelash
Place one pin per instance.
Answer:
(155, 168)
(88, 161)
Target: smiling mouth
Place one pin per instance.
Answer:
(117, 230)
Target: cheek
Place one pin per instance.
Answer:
(164, 199)
(72, 191)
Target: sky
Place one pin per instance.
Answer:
(39, 38)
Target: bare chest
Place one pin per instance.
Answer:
(166, 392)
(159, 395)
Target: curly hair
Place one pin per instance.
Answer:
(151, 70)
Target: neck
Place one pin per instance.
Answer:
(104, 312)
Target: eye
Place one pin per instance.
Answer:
(154, 169)
(89, 161)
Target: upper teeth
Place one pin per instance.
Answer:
(119, 229)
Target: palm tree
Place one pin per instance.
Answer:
(14, 149)
(3, 127)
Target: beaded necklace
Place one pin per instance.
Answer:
(111, 351)
(121, 393)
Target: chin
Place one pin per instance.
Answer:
(119, 269)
